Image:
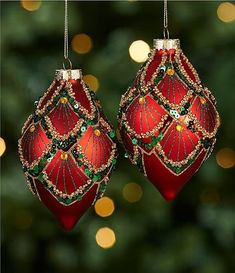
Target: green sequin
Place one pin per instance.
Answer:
(41, 177)
(148, 146)
(87, 171)
(134, 141)
(71, 100)
(112, 134)
(83, 129)
(79, 198)
(154, 141)
(96, 177)
(159, 137)
(90, 122)
(102, 186)
(63, 92)
(114, 161)
(177, 170)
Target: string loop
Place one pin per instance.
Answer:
(66, 34)
(166, 34)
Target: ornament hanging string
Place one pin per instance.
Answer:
(166, 34)
(66, 34)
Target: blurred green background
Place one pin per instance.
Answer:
(195, 233)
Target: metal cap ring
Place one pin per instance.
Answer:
(68, 62)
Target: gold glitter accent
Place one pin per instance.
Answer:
(97, 132)
(64, 156)
(141, 100)
(63, 100)
(202, 100)
(179, 127)
(170, 71)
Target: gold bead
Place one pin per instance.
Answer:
(63, 100)
(141, 100)
(170, 71)
(97, 132)
(32, 129)
(179, 127)
(64, 156)
(202, 100)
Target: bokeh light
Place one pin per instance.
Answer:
(105, 237)
(226, 12)
(81, 43)
(139, 51)
(225, 158)
(31, 5)
(104, 207)
(132, 192)
(92, 82)
(2, 146)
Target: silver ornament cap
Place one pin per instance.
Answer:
(166, 44)
(68, 74)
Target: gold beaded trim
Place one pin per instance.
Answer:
(143, 135)
(144, 87)
(30, 186)
(26, 124)
(82, 190)
(198, 125)
(170, 170)
(49, 102)
(24, 161)
(193, 70)
(88, 163)
(54, 132)
(81, 108)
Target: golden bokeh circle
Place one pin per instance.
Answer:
(132, 192)
(105, 237)
(2, 146)
(104, 207)
(226, 12)
(92, 82)
(225, 158)
(31, 5)
(139, 51)
(81, 43)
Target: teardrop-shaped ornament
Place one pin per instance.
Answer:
(67, 148)
(167, 119)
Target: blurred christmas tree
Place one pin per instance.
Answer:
(143, 233)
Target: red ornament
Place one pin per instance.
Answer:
(67, 148)
(167, 119)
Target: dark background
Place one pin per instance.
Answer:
(194, 233)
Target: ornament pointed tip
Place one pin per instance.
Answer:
(169, 195)
(68, 222)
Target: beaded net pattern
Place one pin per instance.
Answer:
(67, 144)
(167, 116)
